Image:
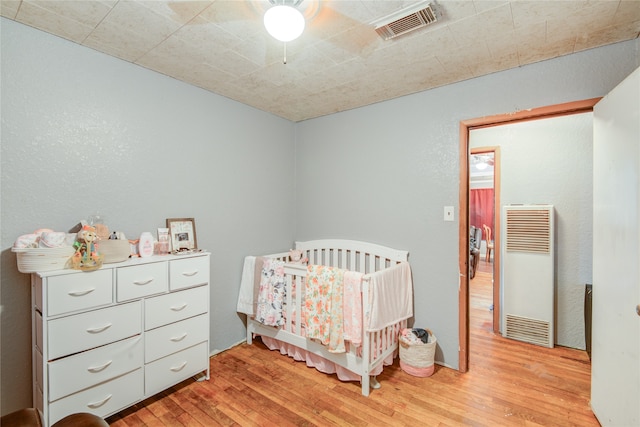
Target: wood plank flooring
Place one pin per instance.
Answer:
(508, 384)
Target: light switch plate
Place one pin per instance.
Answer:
(448, 213)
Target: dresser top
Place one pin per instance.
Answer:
(127, 263)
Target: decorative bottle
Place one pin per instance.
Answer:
(145, 245)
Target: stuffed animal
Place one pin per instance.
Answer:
(86, 256)
(295, 256)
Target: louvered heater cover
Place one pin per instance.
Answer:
(528, 276)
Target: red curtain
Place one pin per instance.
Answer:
(481, 208)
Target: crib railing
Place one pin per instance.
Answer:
(351, 255)
(365, 258)
(376, 346)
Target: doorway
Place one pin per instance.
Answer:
(484, 213)
(465, 127)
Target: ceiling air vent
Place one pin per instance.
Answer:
(405, 20)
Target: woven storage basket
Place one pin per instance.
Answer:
(418, 359)
(31, 260)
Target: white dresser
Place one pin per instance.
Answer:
(107, 339)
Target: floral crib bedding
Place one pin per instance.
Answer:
(263, 298)
(332, 302)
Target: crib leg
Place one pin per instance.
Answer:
(369, 382)
(364, 382)
(249, 334)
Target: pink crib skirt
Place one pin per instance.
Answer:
(318, 362)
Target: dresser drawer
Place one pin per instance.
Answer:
(189, 272)
(73, 334)
(141, 280)
(169, 308)
(79, 291)
(177, 367)
(175, 337)
(102, 400)
(89, 368)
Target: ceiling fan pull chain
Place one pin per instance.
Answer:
(284, 59)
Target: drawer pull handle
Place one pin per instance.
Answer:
(99, 368)
(190, 274)
(179, 368)
(180, 338)
(100, 329)
(81, 293)
(143, 282)
(178, 308)
(98, 404)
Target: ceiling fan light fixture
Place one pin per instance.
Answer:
(284, 23)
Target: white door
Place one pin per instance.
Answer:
(615, 367)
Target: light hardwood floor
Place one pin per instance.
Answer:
(508, 384)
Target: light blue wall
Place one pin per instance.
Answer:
(383, 173)
(83, 132)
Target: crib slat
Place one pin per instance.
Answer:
(299, 306)
(289, 308)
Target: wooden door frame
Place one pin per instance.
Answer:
(463, 230)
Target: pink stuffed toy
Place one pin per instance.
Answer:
(295, 256)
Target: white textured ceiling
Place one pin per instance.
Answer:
(339, 62)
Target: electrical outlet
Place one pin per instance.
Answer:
(448, 213)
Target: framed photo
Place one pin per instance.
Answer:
(182, 234)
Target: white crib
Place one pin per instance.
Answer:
(378, 347)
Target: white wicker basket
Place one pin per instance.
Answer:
(31, 260)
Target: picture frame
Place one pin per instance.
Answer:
(182, 234)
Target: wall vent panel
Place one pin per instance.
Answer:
(528, 274)
(528, 330)
(528, 230)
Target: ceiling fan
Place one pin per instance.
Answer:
(323, 18)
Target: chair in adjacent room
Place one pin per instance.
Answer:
(475, 238)
(487, 236)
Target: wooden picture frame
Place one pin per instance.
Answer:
(182, 234)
